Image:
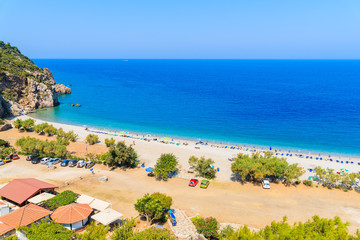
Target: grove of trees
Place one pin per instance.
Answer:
(329, 178)
(29, 145)
(258, 166)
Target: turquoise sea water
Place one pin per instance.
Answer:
(312, 105)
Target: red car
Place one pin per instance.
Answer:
(14, 156)
(193, 182)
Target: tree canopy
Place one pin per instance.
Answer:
(120, 155)
(203, 166)
(258, 166)
(166, 164)
(153, 206)
(47, 231)
(42, 148)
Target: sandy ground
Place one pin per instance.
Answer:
(228, 201)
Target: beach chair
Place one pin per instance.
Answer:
(342, 161)
(347, 162)
(310, 157)
(317, 158)
(338, 161)
(307, 156)
(320, 158)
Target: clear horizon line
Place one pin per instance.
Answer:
(248, 59)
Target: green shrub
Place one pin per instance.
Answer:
(92, 139)
(1, 121)
(308, 183)
(4, 143)
(297, 182)
(207, 226)
(61, 199)
(124, 231)
(109, 142)
(47, 230)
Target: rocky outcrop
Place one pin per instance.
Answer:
(62, 89)
(23, 95)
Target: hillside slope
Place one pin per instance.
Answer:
(24, 86)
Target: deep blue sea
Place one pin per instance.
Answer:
(312, 105)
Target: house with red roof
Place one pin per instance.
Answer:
(20, 190)
(23, 216)
(72, 216)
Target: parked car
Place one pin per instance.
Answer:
(73, 163)
(1, 162)
(193, 182)
(80, 164)
(36, 160)
(265, 183)
(14, 156)
(89, 164)
(57, 160)
(31, 157)
(6, 160)
(45, 160)
(64, 163)
(151, 174)
(204, 184)
(51, 161)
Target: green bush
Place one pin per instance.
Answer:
(308, 183)
(207, 226)
(297, 182)
(92, 139)
(61, 199)
(4, 143)
(1, 121)
(109, 142)
(124, 231)
(46, 231)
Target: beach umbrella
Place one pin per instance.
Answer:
(149, 169)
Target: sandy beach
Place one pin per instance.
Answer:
(149, 151)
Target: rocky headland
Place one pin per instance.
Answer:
(24, 87)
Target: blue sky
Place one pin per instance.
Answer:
(209, 29)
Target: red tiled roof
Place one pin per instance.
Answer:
(5, 228)
(24, 216)
(20, 190)
(71, 213)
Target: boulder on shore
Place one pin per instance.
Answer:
(62, 89)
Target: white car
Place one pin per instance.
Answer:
(265, 184)
(44, 160)
(1, 162)
(81, 164)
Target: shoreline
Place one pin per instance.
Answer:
(258, 147)
(150, 148)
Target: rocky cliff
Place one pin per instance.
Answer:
(25, 87)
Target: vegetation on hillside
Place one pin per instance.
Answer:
(14, 62)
